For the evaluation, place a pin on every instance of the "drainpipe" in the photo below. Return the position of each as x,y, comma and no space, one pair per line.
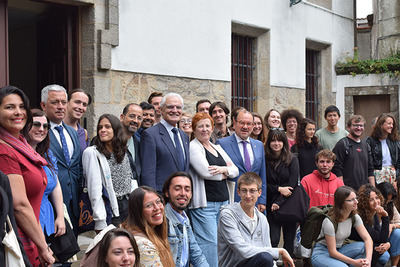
355,56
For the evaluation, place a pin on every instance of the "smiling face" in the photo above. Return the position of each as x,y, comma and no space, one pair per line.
374,201
274,119
153,209
120,253
357,129
105,131
203,130
132,119
148,118
77,105
387,126
257,128
13,114
185,124
291,125
276,146
249,195
172,110
38,131
179,193
309,131
332,118
155,101
55,106
218,115
243,124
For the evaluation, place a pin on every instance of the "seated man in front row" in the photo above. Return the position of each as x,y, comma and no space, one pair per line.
243,232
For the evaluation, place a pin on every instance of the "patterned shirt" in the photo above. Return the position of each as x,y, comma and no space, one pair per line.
121,175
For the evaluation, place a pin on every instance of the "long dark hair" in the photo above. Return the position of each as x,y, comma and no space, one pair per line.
301,133
388,189
363,209
12,90
263,134
106,243
337,212
118,141
43,147
377,131
136,222
285,157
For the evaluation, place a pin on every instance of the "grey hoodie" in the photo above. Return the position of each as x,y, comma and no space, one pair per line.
235,242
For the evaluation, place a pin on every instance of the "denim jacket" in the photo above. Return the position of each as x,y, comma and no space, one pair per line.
175,238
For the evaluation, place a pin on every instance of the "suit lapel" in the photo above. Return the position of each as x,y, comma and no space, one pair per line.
185,141
236,153
168,142
56,148
75,143
255,149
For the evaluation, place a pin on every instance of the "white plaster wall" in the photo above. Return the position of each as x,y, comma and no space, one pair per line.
193,38
344,81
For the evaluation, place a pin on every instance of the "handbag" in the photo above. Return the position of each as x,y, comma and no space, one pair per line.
86,222
64,246
295,207
12,251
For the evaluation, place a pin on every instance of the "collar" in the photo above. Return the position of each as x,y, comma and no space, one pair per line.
167,125
175,217
239,140
54,125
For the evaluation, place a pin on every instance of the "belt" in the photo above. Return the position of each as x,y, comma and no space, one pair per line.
123,197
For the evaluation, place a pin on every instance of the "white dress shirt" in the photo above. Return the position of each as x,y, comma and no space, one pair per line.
248,146
68,138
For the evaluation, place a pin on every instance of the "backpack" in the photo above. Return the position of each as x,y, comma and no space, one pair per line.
311,228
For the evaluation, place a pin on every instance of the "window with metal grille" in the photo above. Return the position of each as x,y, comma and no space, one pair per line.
312,77
242,71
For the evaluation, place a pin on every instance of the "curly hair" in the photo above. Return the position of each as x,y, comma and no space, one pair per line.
301,133
377,131
118,141
290,113
364,209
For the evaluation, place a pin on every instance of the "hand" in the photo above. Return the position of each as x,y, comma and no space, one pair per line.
382,248
261,207
274,207
46,256
381,211
361,263
287,260
59,226
286,191
214,170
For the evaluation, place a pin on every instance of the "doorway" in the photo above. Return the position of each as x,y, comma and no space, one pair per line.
42,46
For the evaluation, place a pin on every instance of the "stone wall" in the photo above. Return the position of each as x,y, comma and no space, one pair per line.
282,98
121,88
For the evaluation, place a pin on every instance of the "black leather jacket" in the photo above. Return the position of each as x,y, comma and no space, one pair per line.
376,151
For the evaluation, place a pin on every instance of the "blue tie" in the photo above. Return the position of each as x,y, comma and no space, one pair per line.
64,144
179,152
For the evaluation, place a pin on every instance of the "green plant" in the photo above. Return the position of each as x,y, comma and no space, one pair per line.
389,65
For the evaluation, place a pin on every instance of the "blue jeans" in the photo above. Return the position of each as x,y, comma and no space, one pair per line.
205,225
320,256
394,240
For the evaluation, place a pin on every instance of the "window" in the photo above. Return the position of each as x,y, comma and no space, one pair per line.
312,81
242,71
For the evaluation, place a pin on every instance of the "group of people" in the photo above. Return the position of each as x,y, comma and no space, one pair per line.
183,189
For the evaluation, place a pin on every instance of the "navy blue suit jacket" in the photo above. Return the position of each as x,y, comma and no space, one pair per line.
158,155
136,165
230,145
69,176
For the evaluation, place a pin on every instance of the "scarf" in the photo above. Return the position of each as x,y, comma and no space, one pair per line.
21,145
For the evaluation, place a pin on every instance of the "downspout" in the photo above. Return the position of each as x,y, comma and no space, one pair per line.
355,55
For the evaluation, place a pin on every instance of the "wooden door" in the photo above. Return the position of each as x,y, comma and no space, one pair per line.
371,106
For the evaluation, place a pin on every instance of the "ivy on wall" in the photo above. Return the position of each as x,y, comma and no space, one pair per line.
390,66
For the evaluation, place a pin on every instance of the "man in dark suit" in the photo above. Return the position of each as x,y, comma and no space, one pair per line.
246,153
65,146
164,148
131,118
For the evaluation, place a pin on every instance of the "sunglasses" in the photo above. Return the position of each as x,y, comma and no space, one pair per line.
277,129
38,124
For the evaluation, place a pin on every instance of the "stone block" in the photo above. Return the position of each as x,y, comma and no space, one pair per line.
88,34
88,57
114,34
102,90
113,15
104,59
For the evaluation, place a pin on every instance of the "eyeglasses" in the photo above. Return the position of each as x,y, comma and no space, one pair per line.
185,121
244,191
277,129
174,106
151,205
352,200
38,124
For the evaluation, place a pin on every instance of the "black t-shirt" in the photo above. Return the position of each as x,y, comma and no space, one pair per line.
216,191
